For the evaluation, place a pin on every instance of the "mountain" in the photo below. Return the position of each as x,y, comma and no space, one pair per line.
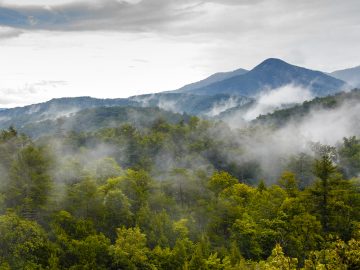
350,100
191,104
217,77
273,73
22,117
54,109
350,75
222,94
92,119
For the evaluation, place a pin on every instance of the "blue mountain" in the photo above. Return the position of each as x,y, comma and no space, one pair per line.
217,77
349,75
273,73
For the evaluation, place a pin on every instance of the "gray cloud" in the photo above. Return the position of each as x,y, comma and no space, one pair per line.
186,16
6,32
320,34
98,15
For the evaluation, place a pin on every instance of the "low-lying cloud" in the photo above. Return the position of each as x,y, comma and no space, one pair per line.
271,147
274,99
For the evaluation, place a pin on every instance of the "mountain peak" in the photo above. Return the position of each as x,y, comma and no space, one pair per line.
273,73
271,63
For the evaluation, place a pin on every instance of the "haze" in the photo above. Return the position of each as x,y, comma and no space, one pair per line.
121,48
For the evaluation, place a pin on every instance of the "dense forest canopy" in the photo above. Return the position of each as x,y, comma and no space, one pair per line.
176,195
179,135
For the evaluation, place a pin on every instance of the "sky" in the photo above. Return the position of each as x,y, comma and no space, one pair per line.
118,48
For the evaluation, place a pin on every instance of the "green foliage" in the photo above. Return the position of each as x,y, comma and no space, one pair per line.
30,183
221,180
160,198
288,182
23,244
349,154
129,250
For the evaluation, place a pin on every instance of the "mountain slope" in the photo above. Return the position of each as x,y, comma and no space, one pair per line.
350,100
192,104
217,77
350,75
54,109
273,73
209,106
92,119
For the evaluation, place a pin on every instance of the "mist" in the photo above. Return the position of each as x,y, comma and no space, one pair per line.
273,99
272,147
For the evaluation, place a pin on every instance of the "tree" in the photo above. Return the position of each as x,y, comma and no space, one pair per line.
221,180
129,250
245,234
278,260
30,184
289,182
324,169
23,244
302,166
349,154
78,245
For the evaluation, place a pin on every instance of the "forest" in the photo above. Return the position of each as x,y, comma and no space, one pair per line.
179,195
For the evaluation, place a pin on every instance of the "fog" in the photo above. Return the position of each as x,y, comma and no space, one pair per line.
273,99
272,147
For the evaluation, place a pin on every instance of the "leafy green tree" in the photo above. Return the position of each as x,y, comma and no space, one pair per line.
83,199
245,234
136,186
288,182
338,255
78,244
302,166
116,207
129,250
304,236
349,155
23,244
107,168
30,184
325,170
221,180
278,260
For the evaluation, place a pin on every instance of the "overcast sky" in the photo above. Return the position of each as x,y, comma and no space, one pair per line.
115,48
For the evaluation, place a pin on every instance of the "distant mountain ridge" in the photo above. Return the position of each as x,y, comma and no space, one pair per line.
217,77
220,95
206,105
21,117
96,118
297,113
349,75
55,108
273,73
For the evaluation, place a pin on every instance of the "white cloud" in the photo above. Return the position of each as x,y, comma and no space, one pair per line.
95,64
274,99
92,47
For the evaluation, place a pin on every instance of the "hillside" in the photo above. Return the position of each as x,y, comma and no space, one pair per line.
53,109
217,77
45,113
350,75
297,113
206,105
92,119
